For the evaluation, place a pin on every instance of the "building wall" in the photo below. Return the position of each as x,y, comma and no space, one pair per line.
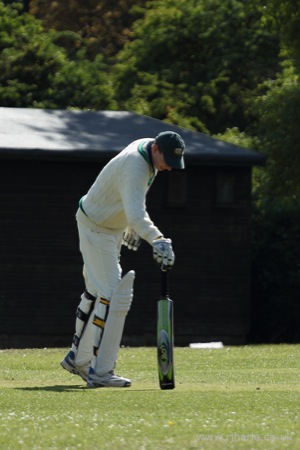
206,212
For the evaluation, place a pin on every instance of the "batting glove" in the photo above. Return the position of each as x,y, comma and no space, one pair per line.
163,253
131,239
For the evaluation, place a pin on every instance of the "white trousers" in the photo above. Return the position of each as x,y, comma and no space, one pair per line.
101,257
102,272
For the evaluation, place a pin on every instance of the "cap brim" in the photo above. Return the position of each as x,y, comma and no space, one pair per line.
175,163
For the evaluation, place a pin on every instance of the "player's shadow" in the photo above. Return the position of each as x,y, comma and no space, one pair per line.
56,388
72,388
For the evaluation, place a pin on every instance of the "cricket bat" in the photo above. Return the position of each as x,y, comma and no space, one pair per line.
165,337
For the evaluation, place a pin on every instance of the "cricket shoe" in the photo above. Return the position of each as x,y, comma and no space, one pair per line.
68,363
110,379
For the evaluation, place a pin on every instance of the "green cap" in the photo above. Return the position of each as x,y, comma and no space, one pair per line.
172,146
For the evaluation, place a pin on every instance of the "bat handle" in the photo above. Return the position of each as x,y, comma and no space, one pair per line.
164,284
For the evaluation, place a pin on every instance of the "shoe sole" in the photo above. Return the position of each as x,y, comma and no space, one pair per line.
92,385
65,365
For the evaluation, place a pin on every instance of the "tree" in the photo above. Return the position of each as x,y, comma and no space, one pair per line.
277,128
277,112
285,17
197,63
83,84
27,59
23,3
103,26
276,230
274,108
35,72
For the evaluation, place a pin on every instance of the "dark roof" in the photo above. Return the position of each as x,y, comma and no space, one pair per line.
27,133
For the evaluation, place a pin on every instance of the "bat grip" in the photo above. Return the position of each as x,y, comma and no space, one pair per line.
164,284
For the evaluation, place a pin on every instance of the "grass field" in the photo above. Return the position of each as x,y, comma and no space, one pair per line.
230,398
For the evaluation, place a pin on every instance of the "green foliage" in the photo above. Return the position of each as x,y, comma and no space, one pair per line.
83,84
276,224
275,112
103,26
278,132
205,59
27,59
285,18
236,137
276,271
231,398
34,72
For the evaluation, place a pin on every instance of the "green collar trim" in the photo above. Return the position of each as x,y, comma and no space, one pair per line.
143,151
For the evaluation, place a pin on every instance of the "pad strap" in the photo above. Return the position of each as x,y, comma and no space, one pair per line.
83,316
99,321
89,296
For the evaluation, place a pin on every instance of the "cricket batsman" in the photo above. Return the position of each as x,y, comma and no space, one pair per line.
112,213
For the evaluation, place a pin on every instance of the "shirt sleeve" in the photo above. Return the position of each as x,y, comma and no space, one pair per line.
133,192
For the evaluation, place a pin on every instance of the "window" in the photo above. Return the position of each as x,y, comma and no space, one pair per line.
225,189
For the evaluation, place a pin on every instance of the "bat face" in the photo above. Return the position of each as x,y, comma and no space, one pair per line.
165,344
164,354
